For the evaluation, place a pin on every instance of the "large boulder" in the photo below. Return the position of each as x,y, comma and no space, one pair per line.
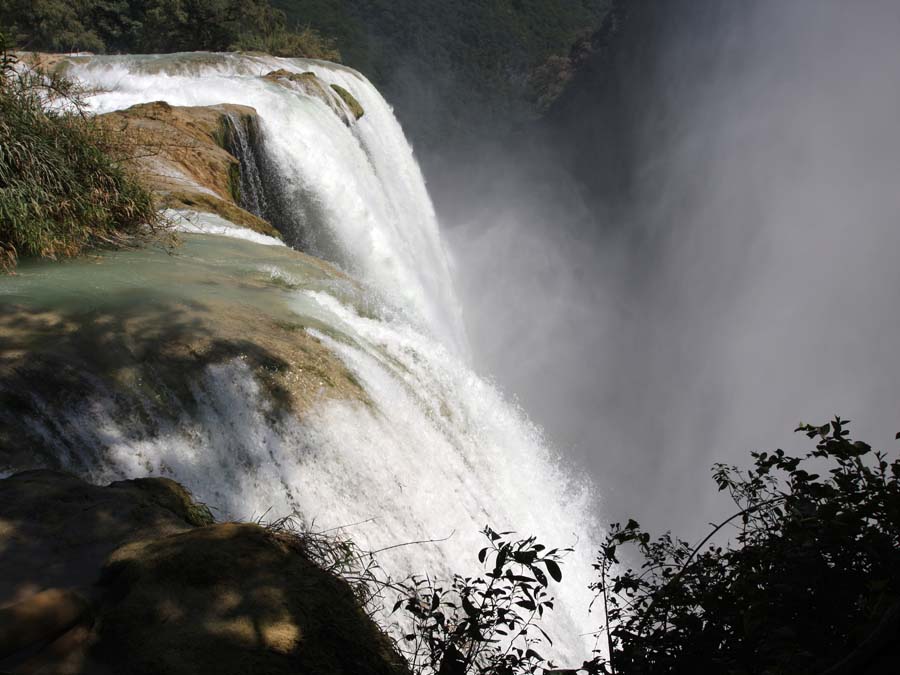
235,598
134,577
182,154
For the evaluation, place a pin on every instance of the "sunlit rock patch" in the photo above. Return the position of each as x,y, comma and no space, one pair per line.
181,153
341,101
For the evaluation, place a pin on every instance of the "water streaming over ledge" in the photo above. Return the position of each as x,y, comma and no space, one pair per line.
432,449
357,192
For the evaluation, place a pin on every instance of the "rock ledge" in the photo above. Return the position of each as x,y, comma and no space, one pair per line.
134,577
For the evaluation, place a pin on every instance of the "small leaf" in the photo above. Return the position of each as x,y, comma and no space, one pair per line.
554,570
531,654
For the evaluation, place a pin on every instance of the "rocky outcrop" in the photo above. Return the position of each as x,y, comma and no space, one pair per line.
348,98
134,577
341,101
182,153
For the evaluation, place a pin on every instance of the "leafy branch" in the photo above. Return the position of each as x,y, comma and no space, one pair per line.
810,576
488,624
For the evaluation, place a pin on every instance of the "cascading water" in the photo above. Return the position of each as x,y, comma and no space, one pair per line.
431,450
253,191
358,192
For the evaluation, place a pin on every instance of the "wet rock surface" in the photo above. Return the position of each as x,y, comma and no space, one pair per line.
181,153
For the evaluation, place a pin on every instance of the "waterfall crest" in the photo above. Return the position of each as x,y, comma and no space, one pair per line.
388,426
355,196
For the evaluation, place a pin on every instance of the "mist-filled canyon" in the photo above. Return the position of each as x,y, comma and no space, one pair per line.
698,253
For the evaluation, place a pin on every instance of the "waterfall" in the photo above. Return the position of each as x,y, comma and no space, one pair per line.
253,192
357,192
433,451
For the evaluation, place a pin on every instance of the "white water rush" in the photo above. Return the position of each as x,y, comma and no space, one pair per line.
434,452
369,201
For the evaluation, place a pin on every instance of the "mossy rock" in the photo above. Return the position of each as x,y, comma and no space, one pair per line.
57,530
348,98
281,73
184,158
173,496
311,85
235,598
133,578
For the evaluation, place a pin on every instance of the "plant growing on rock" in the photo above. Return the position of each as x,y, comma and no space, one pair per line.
62,190
337,554
488,624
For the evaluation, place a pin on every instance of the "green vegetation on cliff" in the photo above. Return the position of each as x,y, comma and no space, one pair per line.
451,69
159,26
459,66
61,189
487,41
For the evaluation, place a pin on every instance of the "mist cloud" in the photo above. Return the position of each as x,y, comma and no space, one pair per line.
750,281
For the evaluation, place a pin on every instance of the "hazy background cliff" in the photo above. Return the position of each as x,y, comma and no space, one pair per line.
696,248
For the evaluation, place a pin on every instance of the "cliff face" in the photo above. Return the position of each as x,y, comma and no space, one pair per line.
135,577
650,64
203,158
594,124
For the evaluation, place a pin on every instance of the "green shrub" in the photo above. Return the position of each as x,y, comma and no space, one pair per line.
483,625
62,189
809,584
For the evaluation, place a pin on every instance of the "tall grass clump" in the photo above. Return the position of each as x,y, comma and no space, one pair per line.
63,188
